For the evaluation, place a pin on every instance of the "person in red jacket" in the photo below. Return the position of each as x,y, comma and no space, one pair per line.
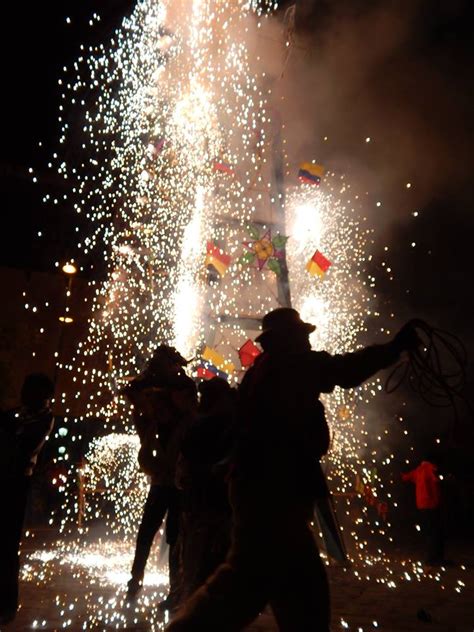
428,502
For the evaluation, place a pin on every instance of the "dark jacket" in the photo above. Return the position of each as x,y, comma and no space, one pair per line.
283,429
204,450
23,433
163,410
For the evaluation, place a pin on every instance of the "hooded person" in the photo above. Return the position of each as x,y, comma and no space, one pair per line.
273,558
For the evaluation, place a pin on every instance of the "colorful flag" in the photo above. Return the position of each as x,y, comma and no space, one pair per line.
217,258
208,371
310,173
264,250
247,354
318,264
369,495
214,361
223,167
159,144
343,412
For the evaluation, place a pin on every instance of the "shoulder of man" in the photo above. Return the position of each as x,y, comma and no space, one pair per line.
316,359
42,417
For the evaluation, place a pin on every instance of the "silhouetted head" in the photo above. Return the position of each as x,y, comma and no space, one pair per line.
216,395
284,327
36,391
164,366
165,357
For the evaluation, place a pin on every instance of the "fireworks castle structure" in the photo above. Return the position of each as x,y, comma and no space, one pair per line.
201,222
202,225
190,206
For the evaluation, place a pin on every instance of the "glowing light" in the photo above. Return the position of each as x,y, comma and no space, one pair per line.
69,268
111,468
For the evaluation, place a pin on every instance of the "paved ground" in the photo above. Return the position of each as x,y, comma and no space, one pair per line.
81,588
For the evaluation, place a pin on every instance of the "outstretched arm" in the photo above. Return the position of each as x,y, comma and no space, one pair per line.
352,369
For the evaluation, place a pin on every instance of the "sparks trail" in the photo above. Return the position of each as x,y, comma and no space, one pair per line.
436,369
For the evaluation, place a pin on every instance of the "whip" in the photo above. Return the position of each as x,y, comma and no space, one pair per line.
436,369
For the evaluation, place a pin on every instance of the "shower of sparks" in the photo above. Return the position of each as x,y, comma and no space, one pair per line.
176,92
337,304
89,584
101,569
113,488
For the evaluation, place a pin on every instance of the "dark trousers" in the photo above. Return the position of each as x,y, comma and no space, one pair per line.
433,533
13,497
205,543
273,560
160,500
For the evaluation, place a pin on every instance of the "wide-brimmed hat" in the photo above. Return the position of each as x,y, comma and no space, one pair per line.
282,321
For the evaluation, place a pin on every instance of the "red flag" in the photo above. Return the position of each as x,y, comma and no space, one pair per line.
318,264
247,354
206,373
217,258
223,167
369,495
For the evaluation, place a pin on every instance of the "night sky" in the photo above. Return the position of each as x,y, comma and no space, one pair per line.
36,44
422,85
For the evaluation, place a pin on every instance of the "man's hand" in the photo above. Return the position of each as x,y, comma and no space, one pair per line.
407,339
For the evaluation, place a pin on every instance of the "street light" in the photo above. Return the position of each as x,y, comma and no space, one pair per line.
69,268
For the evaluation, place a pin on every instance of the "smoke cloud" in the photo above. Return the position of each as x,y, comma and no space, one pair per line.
394,72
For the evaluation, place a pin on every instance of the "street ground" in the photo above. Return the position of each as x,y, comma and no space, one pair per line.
79,585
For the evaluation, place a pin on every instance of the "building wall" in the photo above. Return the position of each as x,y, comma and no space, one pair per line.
31,333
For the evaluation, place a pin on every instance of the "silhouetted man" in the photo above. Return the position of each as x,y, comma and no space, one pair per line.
23,432
201,471
164,400
276,476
